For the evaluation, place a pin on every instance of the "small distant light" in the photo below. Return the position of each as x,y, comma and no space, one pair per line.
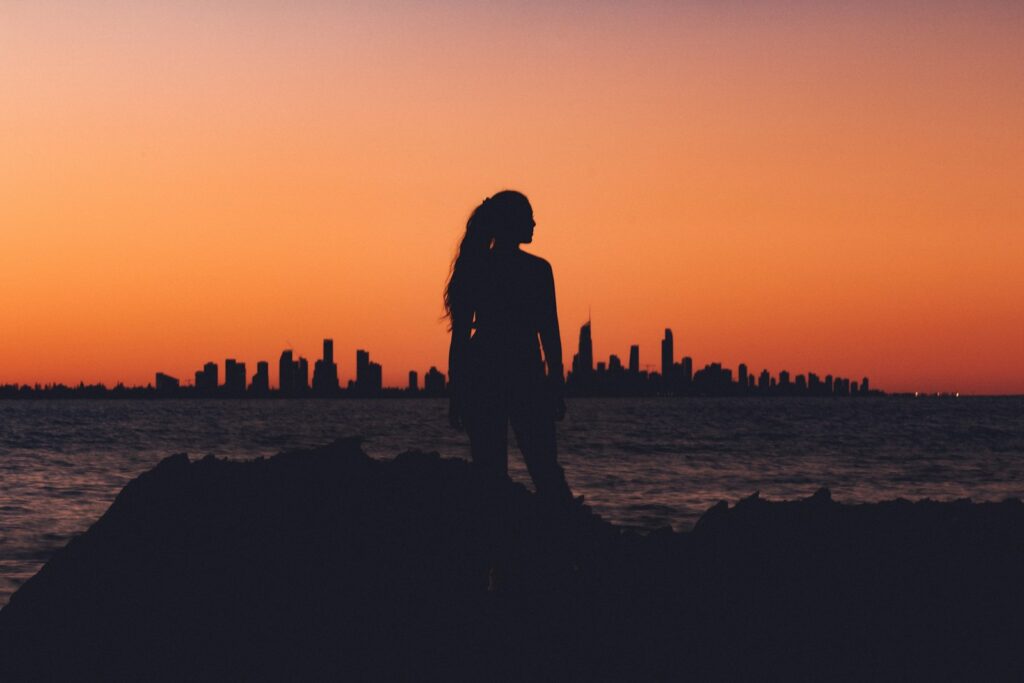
916,394
957,394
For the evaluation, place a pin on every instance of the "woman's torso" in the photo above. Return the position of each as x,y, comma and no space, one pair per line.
508,304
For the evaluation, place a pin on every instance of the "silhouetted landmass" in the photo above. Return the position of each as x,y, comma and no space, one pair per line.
327,565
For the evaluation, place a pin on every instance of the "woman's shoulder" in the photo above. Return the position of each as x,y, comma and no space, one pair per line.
535,262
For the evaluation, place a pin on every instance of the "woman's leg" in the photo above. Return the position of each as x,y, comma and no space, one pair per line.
488,440
535,433
487,423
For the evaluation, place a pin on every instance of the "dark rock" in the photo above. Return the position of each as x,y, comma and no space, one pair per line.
326,564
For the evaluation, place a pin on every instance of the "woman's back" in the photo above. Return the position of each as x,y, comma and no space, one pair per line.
511,305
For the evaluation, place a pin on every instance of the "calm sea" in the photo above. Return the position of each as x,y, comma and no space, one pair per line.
639,462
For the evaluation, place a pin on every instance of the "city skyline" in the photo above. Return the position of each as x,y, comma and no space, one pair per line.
586,375
395,377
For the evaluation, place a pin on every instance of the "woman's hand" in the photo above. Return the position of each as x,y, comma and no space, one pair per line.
558,408
455,414
457,403
556,399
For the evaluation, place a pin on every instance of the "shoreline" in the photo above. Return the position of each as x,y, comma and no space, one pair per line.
332,563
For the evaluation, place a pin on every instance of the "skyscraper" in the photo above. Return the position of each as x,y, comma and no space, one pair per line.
234,377
362,362
209,382
261,379
362,370
434,382
586,350
368,374
667,354
376,378
414,381
686,370
325,372
634,359
302,375
206,379
286,373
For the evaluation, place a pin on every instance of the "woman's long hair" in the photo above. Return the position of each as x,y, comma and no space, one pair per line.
494,216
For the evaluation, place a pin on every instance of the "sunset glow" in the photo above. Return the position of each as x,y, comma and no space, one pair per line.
796,186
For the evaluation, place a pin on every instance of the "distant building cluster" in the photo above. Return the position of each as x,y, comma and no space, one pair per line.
678,378
294,379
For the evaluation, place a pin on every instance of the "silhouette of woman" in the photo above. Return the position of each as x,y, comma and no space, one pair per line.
499,300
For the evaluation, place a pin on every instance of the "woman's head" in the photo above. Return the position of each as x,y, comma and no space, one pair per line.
512,217
504,219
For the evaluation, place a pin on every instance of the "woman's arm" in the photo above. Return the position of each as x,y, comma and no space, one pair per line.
457,355
551,342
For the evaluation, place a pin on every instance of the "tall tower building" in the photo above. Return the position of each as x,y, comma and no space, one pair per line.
286,373
368,374
234,377
634,359
362,370
261,380
667,354
302,375
586,350
325,372
376,378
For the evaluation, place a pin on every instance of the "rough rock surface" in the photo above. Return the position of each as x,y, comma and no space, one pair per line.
325,564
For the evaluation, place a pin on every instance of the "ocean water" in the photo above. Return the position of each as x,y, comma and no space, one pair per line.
642,463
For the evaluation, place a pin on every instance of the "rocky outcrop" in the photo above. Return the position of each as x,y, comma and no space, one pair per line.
326,564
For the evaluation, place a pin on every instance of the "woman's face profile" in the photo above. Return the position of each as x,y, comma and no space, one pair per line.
523,225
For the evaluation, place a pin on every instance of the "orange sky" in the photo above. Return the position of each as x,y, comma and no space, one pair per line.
796,186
